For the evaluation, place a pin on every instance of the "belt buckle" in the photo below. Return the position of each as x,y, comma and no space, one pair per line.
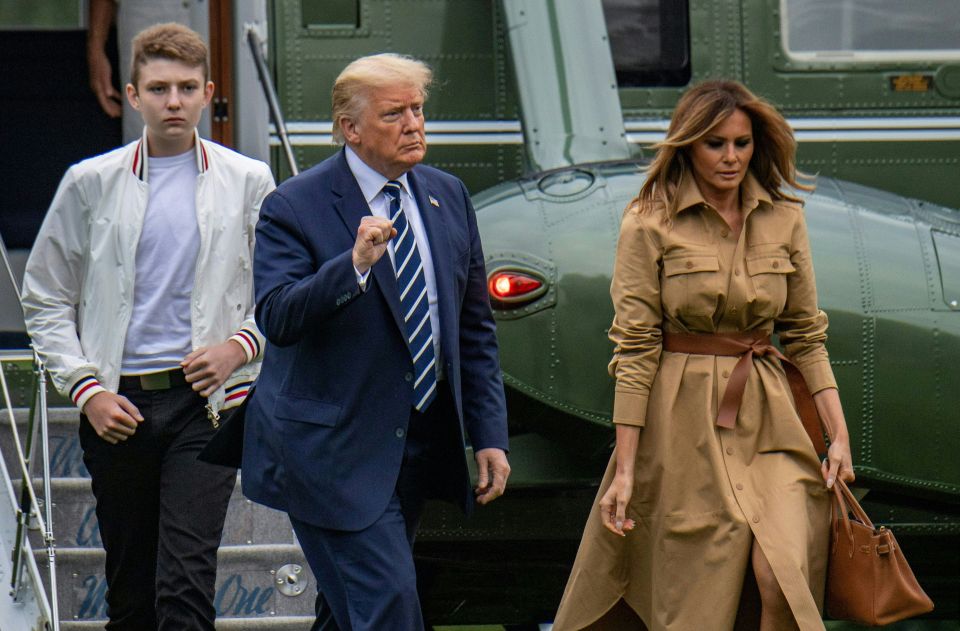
155,381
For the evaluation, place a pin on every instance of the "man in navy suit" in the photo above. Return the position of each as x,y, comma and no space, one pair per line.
381,356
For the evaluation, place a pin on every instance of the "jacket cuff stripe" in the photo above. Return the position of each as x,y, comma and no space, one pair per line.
239,394
253,340
84,390
240,385
243,338
236,394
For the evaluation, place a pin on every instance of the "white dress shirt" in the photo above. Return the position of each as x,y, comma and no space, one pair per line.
371,185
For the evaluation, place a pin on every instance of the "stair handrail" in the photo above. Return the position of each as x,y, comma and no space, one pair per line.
270,93
29,508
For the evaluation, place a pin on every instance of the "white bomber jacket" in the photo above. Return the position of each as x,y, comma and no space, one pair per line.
78,283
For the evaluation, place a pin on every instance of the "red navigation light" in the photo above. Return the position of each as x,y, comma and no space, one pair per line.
512,287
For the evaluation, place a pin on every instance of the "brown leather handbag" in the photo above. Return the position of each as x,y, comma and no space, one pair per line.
868,578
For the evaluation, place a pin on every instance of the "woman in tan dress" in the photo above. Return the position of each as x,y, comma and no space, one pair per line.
714,503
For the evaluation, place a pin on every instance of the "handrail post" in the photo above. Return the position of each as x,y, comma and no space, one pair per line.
26,488
29,505
25,510
48,537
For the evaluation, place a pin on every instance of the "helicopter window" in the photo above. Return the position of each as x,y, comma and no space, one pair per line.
871,30
650,41
46,15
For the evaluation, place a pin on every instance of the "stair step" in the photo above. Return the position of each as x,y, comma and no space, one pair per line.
66,457
273,623
75,520
258,545
254,582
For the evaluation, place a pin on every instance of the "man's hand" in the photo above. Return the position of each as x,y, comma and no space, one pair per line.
107,95
373,235
100,17
493,470
208,367
112,416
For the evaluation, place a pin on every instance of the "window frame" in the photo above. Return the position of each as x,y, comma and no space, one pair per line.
871,57
673,77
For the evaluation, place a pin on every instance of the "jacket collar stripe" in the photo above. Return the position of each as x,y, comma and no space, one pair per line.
140,155
138,159
202,163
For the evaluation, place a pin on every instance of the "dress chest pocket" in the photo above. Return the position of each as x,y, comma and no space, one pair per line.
690,283
768,267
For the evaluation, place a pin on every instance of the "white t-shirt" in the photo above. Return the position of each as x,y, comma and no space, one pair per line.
159,334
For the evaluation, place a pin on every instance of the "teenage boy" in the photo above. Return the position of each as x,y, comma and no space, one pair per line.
138,297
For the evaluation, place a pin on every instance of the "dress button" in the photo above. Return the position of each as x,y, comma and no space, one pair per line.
756,519
739,486
724,233
400,432
689,264
729,451
733,310
725,373
408,376
776,265
736,272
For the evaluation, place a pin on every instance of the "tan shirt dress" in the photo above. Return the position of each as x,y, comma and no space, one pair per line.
703,493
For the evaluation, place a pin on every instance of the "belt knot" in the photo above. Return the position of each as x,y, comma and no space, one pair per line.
746,346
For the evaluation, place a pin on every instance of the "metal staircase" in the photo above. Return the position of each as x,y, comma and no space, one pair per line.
263,581
24,603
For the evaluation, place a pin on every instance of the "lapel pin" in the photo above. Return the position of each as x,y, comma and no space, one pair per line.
433,201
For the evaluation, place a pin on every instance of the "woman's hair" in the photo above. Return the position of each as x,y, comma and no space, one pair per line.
353,85
701,109
170,41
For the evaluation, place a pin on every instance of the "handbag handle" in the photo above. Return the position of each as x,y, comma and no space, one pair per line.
849,502
845,503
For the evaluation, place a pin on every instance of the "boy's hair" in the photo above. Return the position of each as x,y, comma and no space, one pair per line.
171,41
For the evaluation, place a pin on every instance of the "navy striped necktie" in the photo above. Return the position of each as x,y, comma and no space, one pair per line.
413,300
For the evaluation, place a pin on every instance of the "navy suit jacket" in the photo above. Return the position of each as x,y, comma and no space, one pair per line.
326,424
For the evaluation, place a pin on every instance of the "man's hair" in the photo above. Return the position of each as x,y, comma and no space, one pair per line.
701,109
366,74
171,41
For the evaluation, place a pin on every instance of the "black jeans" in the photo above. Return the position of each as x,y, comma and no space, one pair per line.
160,512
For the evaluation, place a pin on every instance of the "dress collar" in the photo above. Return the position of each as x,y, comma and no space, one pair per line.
751,193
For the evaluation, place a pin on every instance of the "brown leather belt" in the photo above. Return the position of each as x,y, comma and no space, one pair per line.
746,346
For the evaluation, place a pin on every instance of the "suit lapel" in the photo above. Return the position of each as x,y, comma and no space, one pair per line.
352,207
433,217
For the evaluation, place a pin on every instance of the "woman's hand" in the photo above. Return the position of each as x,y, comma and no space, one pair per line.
838,462
613,505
